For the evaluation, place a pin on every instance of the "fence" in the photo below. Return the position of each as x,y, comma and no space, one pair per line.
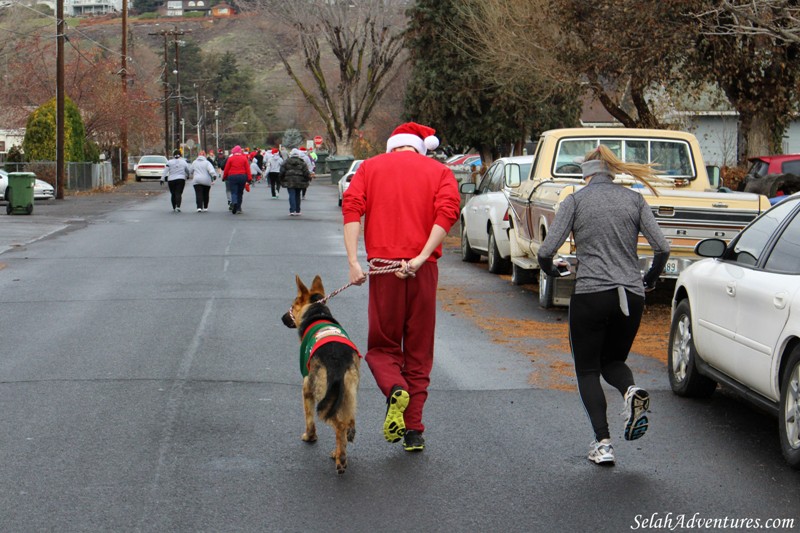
80,176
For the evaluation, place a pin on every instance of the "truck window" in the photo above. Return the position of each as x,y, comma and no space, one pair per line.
673,158
791,167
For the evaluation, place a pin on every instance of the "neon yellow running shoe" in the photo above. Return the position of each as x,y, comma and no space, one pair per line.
394,426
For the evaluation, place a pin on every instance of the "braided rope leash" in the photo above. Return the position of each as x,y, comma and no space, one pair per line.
389,266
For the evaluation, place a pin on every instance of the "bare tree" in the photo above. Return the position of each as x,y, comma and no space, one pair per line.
779,19
352,51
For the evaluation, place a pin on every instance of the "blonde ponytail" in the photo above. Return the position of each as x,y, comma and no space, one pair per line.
641,172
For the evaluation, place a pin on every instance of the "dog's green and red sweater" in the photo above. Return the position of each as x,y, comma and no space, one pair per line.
318,334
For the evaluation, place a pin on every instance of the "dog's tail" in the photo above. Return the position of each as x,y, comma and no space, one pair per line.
329,405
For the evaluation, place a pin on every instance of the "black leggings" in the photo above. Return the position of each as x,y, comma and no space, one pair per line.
201,194
176,191
601,336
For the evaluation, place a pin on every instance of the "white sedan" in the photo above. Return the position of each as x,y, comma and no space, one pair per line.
150,166
484,218
41,189
344,182
736,320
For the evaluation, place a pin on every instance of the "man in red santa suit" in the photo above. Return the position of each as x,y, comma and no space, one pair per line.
409,202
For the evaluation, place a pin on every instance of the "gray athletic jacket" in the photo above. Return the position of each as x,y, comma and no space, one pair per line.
605,220
177,169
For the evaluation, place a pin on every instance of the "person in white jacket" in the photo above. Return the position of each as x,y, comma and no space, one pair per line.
273,162
175,174
204,175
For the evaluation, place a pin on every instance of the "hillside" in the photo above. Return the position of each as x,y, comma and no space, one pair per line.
253,40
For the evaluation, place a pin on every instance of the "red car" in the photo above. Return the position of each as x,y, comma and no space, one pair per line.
773,175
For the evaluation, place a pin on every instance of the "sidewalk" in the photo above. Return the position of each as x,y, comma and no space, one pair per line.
52,216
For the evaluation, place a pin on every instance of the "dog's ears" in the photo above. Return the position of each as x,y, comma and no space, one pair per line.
302,290
316,286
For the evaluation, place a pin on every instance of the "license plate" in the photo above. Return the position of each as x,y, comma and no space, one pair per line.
671,267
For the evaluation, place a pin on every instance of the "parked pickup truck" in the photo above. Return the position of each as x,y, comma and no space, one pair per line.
689,206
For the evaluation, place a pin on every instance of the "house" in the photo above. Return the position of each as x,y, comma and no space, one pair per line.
197,6
708,116
91,7
174,8
12,128
222,10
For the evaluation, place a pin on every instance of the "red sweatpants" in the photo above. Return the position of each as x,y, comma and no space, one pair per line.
402,320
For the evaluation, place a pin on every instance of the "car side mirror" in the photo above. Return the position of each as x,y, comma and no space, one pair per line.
468,188
714,176
512,178
711,248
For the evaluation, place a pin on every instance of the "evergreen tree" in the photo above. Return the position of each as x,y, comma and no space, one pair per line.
146,6
449,89
39,143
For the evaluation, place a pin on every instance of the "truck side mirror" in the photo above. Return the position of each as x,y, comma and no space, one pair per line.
714,176
513,179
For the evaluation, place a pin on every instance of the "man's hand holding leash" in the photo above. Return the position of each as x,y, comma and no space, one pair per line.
410,267
357,276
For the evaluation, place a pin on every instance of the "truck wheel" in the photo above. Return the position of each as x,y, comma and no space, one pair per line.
468,255
29,209
684,378
521,276
497,264
547,285
789,413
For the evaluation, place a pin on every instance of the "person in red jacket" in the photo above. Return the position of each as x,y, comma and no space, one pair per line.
409,202
237,172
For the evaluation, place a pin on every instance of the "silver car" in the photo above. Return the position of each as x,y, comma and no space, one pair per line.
344,183
736,320
484,219
41,189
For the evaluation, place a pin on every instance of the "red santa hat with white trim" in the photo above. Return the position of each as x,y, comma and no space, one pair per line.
419,137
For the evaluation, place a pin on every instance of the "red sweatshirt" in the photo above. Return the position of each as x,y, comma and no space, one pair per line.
401,196
237,164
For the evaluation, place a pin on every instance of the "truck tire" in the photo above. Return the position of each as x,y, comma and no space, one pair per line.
521,276
547,285
497,264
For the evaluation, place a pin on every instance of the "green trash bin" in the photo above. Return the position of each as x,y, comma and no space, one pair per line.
338,165
19,193
322,162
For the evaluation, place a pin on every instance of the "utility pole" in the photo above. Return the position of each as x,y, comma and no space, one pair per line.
124,75
216,127
199,138
60,99
174,33
177,71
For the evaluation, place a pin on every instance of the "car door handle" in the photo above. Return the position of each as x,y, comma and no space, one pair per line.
730,288
780,300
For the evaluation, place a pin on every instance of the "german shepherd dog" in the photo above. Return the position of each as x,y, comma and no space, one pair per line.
332,368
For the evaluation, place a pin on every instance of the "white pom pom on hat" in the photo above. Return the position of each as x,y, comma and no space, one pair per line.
419,137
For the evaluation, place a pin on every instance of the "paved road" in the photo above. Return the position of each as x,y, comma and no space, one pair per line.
147,384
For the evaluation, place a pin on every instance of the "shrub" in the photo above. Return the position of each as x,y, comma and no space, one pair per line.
39,143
